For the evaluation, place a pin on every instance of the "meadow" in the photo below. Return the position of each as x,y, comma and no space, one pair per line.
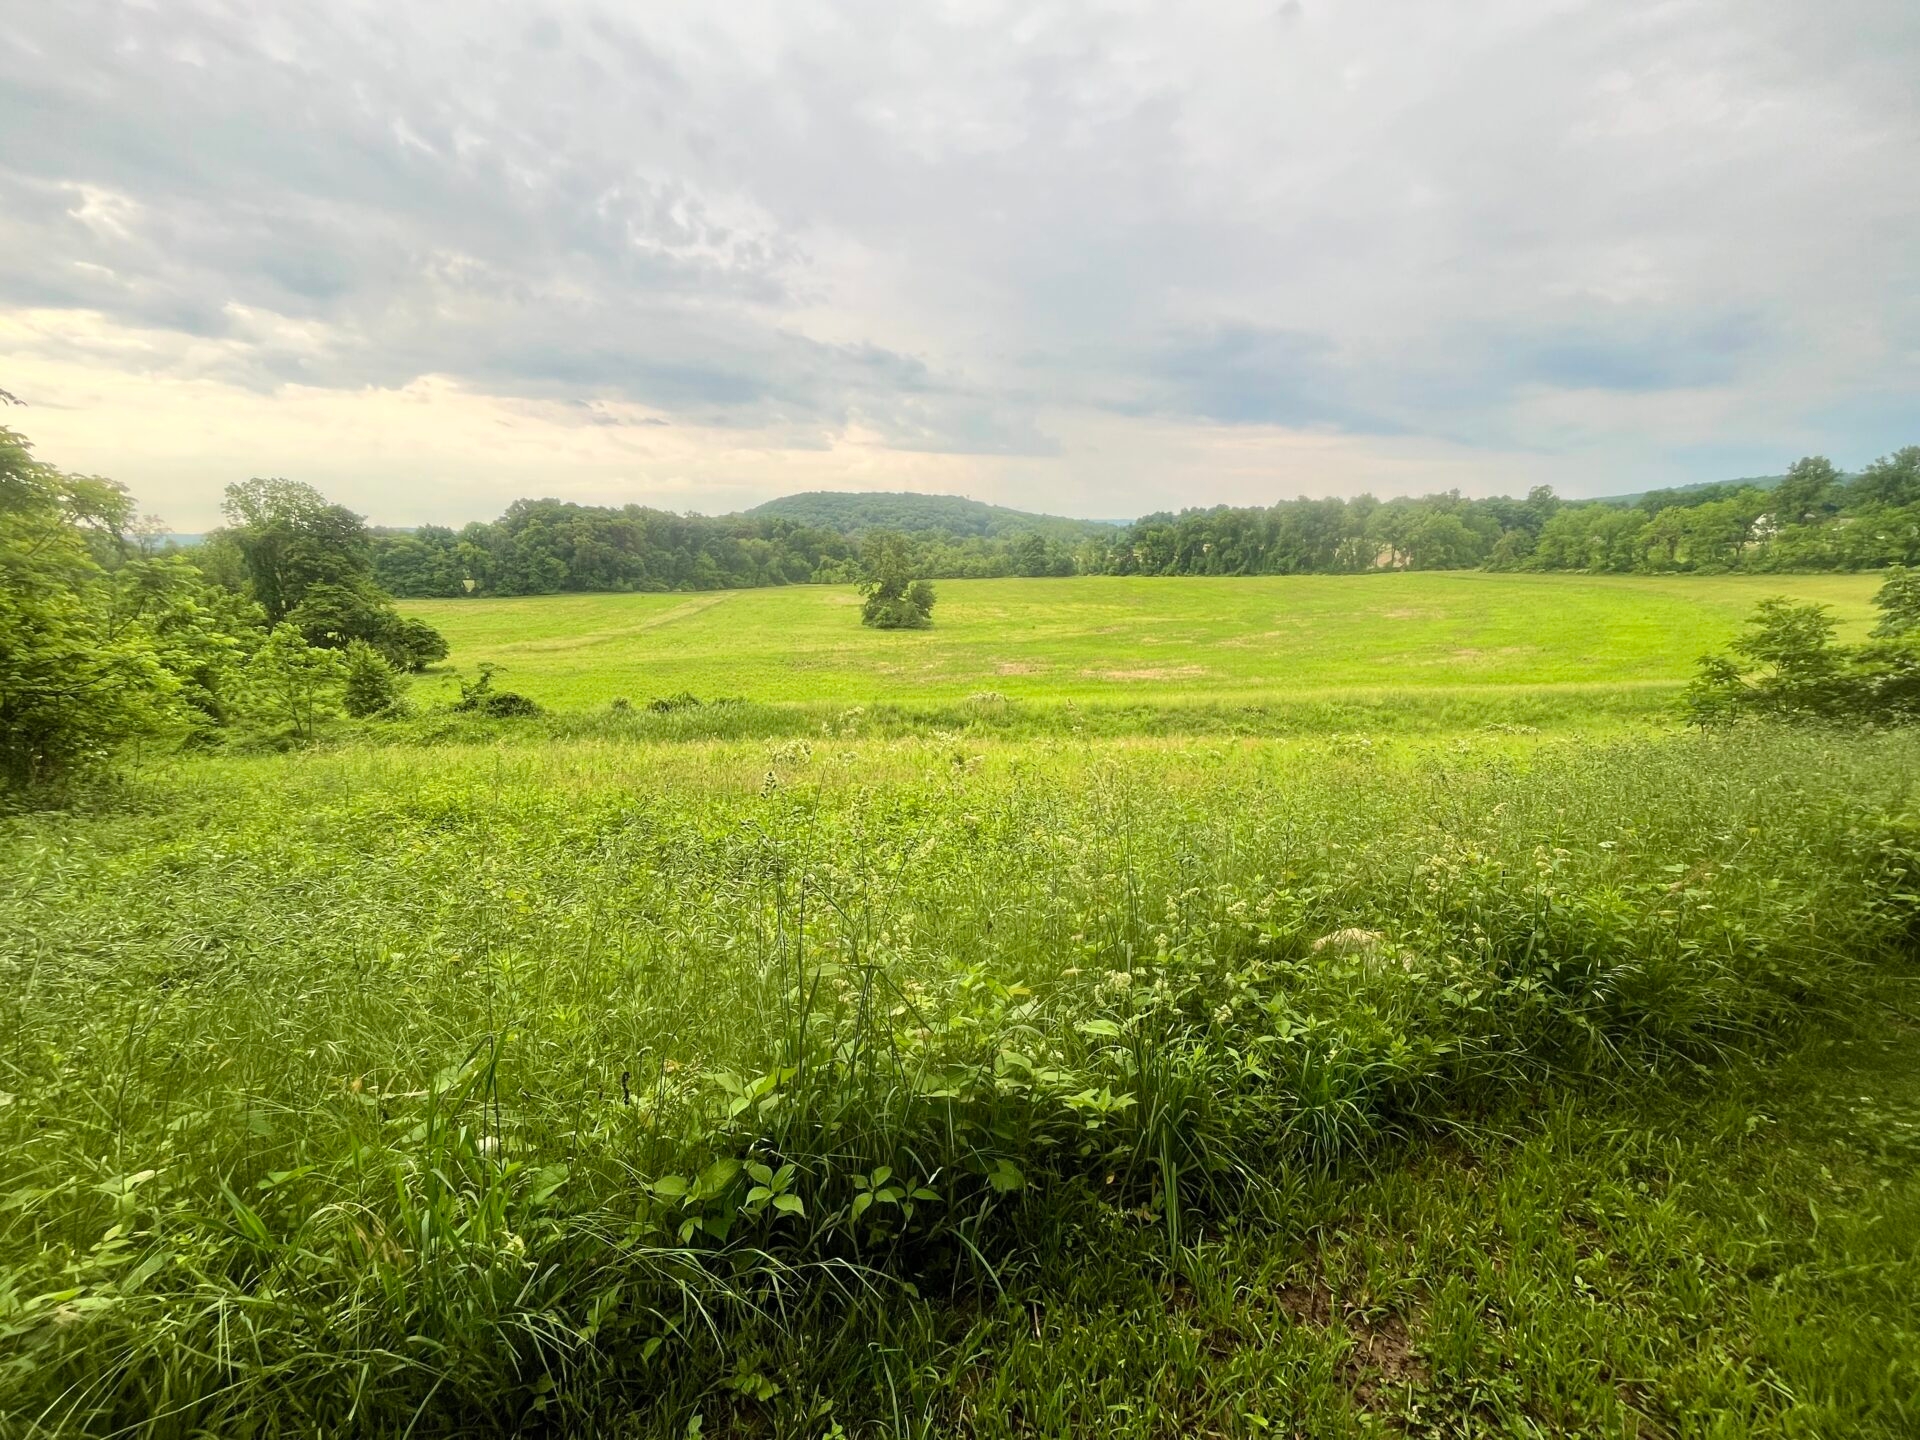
1168,643
620,1075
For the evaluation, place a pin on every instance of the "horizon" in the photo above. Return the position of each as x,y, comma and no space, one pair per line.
378,526
1101,260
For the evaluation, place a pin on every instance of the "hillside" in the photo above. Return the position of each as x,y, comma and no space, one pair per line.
1696,492
850,512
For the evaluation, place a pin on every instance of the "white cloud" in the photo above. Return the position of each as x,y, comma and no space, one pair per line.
1095,256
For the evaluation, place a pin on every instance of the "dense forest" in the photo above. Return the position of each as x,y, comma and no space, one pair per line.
1813,518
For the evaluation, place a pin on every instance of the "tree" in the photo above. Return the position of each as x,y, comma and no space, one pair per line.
201,633
1785,667
894,599
1810,491
294,683
371,685
311,562
413,644
73,683
1891,481
292,539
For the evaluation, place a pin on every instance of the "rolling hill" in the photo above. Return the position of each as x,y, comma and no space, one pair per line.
850,512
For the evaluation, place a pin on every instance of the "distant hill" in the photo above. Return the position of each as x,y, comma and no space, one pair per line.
1687,494
849,511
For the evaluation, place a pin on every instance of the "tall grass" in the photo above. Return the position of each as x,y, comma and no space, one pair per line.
472,1089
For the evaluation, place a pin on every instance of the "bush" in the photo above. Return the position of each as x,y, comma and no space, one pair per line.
479,697
73,683
294,683
1786,667
414,644
372,686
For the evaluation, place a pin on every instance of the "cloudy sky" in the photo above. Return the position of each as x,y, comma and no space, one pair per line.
1092,258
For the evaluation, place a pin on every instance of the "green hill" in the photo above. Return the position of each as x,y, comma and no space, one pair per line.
1697,493
850,512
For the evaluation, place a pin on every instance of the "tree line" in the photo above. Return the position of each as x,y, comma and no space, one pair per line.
546,547
1815,518
106,635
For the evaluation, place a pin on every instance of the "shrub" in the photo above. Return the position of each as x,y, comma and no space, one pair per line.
372,687
73,684
294,683
479,697
1786,667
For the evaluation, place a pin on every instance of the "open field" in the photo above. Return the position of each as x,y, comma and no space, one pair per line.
934,1086
1105,640
1249,1045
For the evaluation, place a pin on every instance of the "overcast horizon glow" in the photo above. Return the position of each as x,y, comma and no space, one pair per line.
1092,259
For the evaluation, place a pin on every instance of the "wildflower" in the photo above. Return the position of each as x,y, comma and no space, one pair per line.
1348,941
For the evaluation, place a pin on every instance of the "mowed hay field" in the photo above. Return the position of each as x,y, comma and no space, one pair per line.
1092,640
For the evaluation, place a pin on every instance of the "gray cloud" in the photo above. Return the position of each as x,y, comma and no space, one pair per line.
945,226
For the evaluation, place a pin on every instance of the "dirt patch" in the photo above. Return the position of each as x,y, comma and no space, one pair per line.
1172,672
1018,667
1382,1364
1308,1304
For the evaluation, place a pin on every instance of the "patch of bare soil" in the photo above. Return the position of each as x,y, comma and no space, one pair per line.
1175,672
1383,1363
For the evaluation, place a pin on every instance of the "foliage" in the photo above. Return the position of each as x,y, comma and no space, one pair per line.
372,688
1813,518
490,1090
895,600
859,512
542,547
310,563
291,540
478,697
88,659
1787,666
296,684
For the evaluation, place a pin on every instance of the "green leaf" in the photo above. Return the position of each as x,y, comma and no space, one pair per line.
716,1177
1005,1177
789,1205
546,1181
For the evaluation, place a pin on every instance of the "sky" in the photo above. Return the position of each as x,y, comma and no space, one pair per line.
1095,259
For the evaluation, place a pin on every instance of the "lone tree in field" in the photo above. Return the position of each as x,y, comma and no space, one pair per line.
895,600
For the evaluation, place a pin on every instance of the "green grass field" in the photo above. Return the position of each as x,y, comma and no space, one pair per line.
876,1061
1167,642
